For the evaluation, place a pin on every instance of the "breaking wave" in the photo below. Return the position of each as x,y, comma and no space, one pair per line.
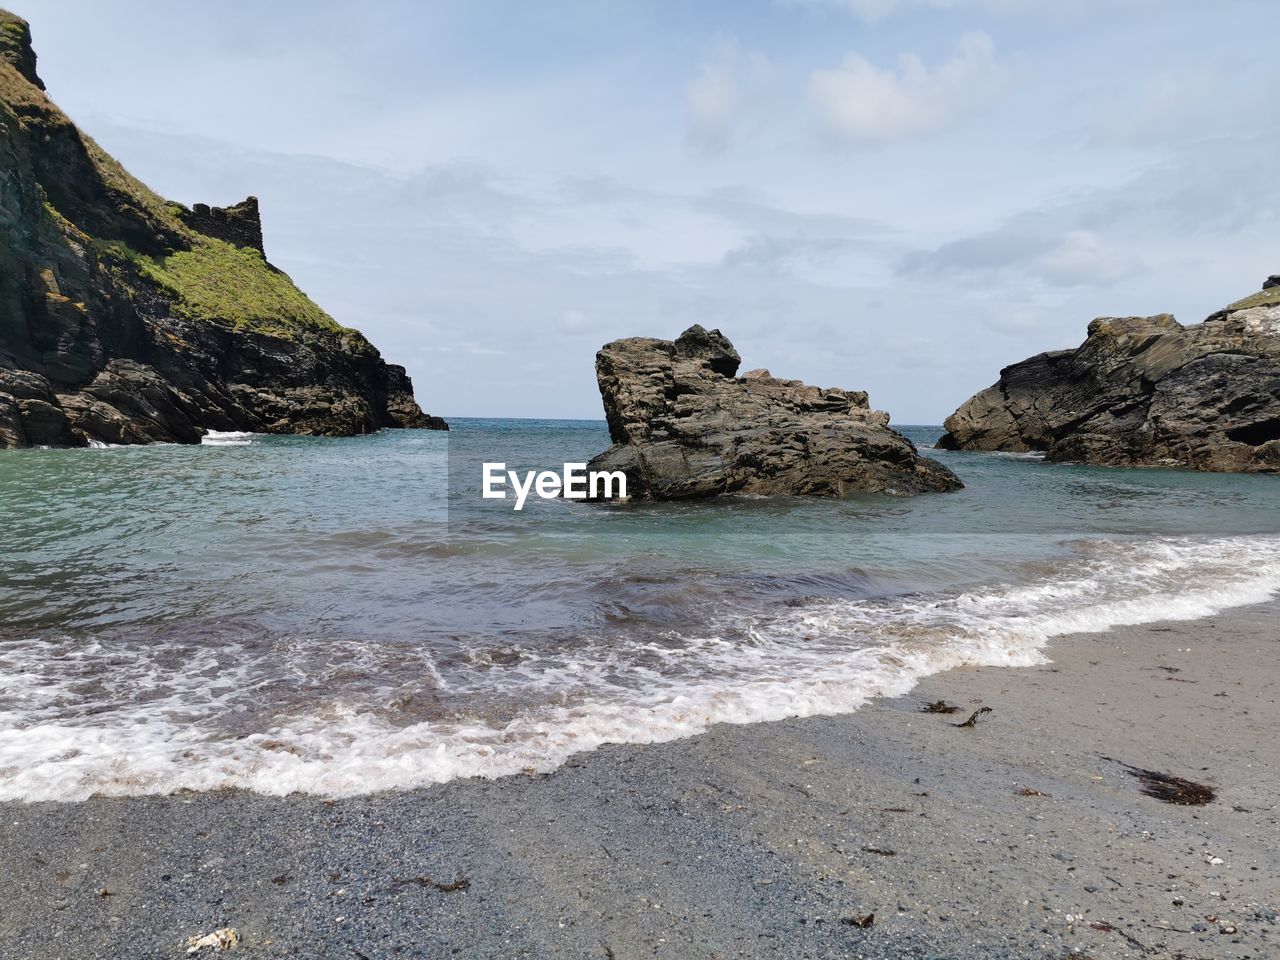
348,717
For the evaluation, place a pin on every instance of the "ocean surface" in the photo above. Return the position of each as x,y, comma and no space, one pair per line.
342,616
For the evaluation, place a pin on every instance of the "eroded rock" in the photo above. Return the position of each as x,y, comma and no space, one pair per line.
1144,391
684,425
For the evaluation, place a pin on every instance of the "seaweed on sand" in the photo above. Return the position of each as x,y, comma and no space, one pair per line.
939,706
973,719
1169,788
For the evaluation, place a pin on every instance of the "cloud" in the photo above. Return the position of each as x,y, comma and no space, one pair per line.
876,10
1188,104
1081,257
1031,251
873,10
772,253
858,101
728,85
576,322
1175,234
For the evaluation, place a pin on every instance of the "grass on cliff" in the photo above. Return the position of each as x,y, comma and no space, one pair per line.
15,89
13,31
28,108
215,280
122,183
1263,298
218,282
212,281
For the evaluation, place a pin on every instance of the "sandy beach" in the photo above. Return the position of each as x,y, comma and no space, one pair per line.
1017,838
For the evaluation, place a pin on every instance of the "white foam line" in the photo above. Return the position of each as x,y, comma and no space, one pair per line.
829,658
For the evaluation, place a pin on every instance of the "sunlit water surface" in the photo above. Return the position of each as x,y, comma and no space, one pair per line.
287,613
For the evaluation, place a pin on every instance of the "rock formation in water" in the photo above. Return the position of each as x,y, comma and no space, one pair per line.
125,318
1144,391
684,425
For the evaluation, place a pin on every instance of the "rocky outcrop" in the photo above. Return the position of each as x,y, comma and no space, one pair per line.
1144,391
684,425
16,48
239,225
125,318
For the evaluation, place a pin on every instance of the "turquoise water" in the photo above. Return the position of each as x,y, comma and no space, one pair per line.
337,616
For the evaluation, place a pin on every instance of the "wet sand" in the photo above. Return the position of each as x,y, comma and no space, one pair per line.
1014,839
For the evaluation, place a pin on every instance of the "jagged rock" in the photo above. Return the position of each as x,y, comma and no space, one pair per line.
126,318
683,425
402,408
1144,391
15,47
240,224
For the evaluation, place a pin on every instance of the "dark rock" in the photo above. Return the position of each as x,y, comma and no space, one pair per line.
1271,281
126,318
30,415
684,426
130,402
16,49
240,225
402,409
1143,391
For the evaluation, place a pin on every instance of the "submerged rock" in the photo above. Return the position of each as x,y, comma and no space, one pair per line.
126,318
684,425
1144,391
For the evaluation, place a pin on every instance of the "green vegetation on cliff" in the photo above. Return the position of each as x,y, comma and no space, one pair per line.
14,34
116,215
1268,297
129,318
219,281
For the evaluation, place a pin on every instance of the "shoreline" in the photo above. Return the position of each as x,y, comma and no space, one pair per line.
759,840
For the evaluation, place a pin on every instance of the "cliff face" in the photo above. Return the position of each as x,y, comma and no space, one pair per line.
684,425
125,318
1144,391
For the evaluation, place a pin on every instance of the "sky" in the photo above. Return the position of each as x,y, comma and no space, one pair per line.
900,196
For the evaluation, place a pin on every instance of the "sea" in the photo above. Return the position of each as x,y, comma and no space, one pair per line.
343,616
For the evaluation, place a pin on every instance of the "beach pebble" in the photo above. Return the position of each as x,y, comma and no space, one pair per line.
224,938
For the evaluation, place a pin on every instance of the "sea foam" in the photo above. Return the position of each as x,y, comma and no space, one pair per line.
82,719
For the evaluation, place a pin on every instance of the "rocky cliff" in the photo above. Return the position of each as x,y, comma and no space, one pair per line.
125,318
1144,391
684,425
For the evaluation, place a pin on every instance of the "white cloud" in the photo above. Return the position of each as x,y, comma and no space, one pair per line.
1186,104
874,10
1032,250
1081,257
859,101
728,84
576,321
